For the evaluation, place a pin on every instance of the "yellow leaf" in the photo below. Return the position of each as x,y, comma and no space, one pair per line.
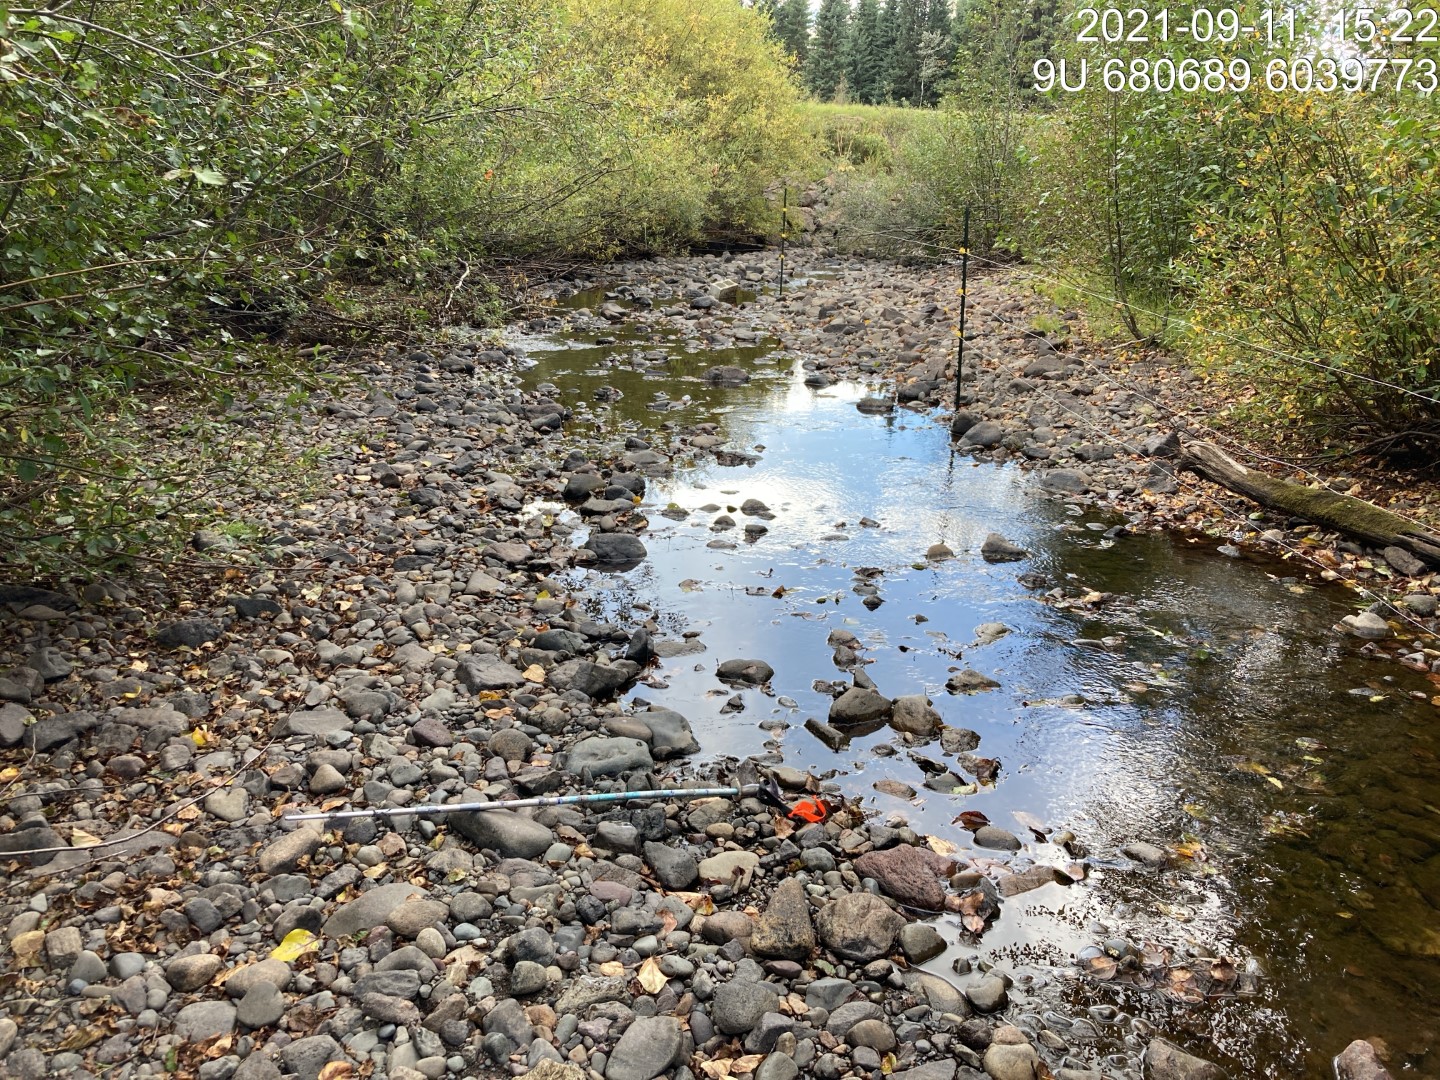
27,946
941,846
81,838
534,673
296,944
219,980
79,1039
651,977
747,1064
1276,782
612,968
8,774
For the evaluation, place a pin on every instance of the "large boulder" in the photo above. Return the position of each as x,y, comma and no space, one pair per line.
608,756
670,733
1165,1061
745,672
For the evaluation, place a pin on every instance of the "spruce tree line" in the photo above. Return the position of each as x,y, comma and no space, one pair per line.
876,51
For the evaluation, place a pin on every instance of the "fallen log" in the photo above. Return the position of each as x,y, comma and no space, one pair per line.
1354,517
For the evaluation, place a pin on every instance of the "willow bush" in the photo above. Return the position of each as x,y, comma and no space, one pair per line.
648,125
181,179
1316,286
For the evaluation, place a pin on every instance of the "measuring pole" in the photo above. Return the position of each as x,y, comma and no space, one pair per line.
964,289
427,809
784,233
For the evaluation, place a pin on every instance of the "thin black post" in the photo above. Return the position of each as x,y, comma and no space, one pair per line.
784,233
964,289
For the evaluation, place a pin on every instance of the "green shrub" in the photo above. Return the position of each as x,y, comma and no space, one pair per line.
1317,284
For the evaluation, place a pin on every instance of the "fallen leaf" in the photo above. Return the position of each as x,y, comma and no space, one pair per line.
940,846
747,1064
79,1039
27,946
226,973
612,968
336,1070
296,944
534,673
1192,849
81,838
971,819
1031,822
1102,968
651,977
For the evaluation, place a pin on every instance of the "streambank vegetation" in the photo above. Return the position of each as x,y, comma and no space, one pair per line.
206,207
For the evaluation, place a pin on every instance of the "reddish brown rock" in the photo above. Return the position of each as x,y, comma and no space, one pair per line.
909,874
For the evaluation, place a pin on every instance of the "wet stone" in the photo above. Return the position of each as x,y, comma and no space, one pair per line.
920,942
992,836
1166,1061
988,995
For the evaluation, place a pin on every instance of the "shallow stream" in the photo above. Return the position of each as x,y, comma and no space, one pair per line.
1207,707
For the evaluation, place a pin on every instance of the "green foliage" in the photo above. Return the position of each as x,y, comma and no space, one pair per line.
643,125
1317,282
176,177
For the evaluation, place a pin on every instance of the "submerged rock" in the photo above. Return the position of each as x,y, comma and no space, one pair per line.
1165,1061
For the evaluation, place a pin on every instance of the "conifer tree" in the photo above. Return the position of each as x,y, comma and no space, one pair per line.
908,18
866,62
792,27
825,64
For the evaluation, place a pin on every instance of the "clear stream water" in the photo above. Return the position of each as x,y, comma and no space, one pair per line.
1209,703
